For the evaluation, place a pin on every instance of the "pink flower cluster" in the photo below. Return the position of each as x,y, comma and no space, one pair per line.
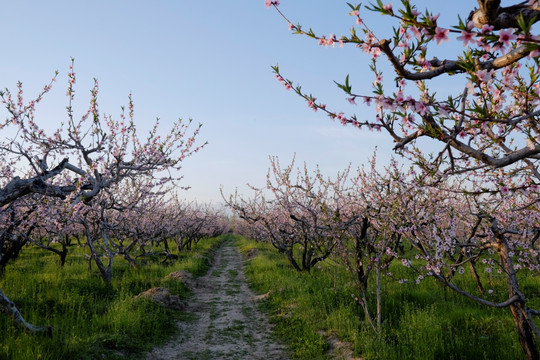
285,83
269,3
330,41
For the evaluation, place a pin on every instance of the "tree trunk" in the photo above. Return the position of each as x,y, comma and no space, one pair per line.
524,330
105,271
63,256
523,327
11,250
10,309
290,256
379,302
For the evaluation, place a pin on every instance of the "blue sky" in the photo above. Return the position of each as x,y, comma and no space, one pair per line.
209,61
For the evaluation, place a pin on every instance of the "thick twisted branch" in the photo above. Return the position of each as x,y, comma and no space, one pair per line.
490,13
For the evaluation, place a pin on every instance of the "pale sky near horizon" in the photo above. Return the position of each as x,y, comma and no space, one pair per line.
209,61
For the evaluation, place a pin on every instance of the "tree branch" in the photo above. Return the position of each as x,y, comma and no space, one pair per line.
439,67
490,13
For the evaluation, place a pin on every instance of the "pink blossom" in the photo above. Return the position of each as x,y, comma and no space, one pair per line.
357,14
444,110
423,62
399,97
404,44
408,119
406,262
421,108
330,41
434,17
352,100
486,29
466,37
342,119
388,7
269,3
441,34
417,34
506,35
534,53
484,75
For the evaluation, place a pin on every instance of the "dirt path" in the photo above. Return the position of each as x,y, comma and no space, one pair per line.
228,324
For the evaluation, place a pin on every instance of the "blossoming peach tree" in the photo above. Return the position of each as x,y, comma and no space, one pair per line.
74,163
296,213
487,133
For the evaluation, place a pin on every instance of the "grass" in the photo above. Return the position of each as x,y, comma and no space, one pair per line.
92,319
424,321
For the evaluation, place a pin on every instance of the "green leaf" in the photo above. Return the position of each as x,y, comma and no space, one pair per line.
345,87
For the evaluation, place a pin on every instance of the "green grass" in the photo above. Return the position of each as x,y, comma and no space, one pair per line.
92,319
424,321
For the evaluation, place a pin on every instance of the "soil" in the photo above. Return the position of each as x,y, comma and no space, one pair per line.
226,322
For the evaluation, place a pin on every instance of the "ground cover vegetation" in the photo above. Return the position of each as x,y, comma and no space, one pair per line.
466,210
94,319
313,313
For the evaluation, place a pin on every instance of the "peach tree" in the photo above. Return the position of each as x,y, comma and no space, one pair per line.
486,135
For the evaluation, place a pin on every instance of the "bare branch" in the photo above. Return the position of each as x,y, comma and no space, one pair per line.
477,299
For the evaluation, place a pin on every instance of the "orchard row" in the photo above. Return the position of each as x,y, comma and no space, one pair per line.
471,201
93,181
